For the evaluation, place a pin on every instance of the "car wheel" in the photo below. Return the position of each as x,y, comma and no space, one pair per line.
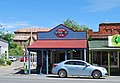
62,73
96,74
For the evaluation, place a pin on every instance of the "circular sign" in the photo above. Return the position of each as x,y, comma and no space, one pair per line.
116,40
61,32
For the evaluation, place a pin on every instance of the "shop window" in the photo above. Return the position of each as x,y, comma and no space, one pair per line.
113,58
104,57
77,54
96,57
101,58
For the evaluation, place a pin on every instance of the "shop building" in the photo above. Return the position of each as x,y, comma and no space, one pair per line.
56,45
104,46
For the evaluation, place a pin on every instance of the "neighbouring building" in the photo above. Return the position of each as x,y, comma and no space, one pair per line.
56,45
27,36
104,46
3,47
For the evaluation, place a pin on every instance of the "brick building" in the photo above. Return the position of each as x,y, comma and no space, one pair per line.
105,30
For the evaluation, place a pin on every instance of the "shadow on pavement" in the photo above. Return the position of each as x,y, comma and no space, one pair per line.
73,77
33,71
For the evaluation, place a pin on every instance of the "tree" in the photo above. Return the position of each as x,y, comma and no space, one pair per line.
6,36
14,49
74,26
18,51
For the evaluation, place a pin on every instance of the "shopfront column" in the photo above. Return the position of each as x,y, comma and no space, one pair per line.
47,61
108,63
65,54
29,62
84,54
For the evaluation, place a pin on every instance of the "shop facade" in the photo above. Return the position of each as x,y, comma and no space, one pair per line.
104,47
56,45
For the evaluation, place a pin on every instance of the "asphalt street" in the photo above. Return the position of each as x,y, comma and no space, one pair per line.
54,79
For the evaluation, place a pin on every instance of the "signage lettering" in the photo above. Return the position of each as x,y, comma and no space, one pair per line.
61,32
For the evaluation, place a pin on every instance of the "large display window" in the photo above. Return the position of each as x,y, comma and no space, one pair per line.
101,58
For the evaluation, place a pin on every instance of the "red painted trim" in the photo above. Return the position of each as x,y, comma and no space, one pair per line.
59,44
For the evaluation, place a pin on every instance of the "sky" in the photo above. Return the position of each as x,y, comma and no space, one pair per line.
16,14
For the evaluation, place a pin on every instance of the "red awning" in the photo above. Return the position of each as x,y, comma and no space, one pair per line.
59,44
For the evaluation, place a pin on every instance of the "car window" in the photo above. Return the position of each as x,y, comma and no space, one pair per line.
10,57
70,63
79,63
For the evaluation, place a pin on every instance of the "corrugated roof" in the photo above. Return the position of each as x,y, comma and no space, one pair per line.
32,29
59,44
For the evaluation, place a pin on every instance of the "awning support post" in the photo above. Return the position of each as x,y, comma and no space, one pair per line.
29,62
84,54
108,63
65,54
47,61
90,57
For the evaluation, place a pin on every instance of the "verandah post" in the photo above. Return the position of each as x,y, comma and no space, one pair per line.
47,61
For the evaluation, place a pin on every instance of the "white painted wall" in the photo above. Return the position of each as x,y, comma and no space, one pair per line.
3,47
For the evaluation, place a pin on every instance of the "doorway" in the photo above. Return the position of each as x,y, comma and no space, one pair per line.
58,56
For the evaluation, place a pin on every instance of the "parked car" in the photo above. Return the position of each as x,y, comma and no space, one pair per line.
78,68
22,59
12,58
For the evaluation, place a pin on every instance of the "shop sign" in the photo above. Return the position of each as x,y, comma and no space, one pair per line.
114,40
61,32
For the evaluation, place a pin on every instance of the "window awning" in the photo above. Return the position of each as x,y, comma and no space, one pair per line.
42,44
100,45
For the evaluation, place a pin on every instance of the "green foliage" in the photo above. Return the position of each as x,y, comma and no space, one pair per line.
6,36
74,26
84,28
17,51
14,49
9,62
2,61
13,45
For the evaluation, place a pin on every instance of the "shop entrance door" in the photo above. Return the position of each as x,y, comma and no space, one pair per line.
58,56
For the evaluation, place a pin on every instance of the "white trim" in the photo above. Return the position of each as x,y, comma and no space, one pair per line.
104,48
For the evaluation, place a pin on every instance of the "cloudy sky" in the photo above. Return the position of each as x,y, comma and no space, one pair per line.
15,14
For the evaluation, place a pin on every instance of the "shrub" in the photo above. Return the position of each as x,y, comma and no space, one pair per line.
2,61
8,62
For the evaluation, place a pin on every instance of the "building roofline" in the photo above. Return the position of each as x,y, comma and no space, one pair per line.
115,23
3,40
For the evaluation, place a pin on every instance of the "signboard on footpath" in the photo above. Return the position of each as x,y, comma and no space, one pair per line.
114,41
